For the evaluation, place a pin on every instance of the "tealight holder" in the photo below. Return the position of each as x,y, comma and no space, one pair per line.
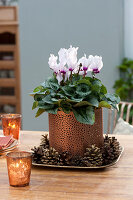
11,124
19,168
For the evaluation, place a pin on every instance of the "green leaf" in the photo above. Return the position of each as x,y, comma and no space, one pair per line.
75,78
123,67
61,95
45,106
54,86
44,84
118,83
93,100
76,98
52,92
69,91
104,104
54,100
96,82
48,99
51,83
82,103
85,81
113,97
96,85
52,111
85,115
39,112
66,106
83,90
103,89
37,89
39,97
32,94
35,104
96,88
90,79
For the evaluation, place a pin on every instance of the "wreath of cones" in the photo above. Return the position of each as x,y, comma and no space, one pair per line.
94,156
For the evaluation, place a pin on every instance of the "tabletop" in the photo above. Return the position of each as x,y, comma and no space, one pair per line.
114,183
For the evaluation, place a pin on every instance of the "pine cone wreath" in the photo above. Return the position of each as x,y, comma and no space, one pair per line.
92,157
111,150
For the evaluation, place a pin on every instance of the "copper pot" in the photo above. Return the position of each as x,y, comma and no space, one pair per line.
67,134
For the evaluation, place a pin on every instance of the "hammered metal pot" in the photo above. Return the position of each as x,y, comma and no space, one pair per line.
67,134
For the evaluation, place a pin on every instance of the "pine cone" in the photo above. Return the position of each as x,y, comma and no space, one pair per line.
37,154
92,157
64,159
111,150
45,141
50,156
76,161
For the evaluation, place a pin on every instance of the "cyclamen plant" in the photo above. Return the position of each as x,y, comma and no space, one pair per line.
70,89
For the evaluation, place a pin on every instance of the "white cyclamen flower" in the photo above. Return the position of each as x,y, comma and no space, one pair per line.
61,73
52,61
56,69
63,69
96,64
59,77
72,58
84,62
63,56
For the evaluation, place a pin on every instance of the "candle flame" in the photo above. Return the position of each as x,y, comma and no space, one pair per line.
17,165
11,125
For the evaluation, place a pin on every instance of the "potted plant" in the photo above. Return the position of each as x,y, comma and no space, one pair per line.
74,101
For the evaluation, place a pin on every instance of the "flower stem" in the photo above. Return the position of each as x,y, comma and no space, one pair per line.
79,68
93,75
84,74
71,77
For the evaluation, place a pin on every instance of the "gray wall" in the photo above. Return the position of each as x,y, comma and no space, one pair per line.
128,28
96,26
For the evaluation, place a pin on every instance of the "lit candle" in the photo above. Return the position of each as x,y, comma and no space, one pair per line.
19,168
11,124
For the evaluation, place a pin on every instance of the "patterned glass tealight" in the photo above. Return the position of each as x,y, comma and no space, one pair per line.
11,124
19,168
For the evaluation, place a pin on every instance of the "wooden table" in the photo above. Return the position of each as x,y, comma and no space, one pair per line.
114,183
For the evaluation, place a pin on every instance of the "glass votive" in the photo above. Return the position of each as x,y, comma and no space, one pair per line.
11,124
19,168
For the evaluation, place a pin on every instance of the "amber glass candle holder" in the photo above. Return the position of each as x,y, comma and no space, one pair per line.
11,124
19,168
